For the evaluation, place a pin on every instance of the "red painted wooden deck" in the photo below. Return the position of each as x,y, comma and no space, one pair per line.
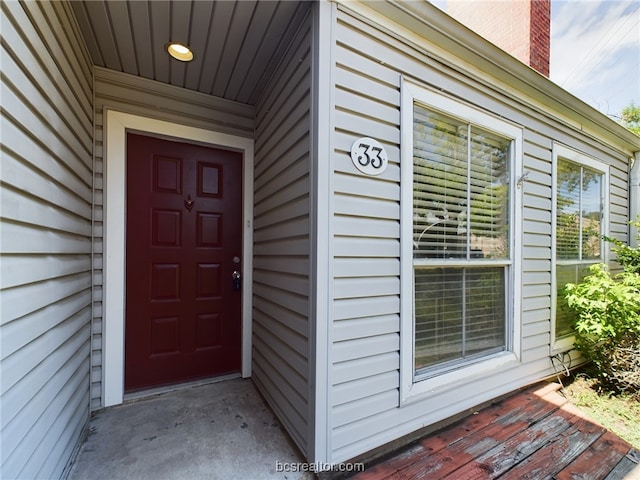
534,434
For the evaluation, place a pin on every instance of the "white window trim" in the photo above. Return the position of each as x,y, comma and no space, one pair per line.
411,390
561,151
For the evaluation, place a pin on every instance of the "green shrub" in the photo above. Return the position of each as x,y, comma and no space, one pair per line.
628,257
608,325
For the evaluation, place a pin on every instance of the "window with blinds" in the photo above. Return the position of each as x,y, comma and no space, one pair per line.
579,211
461,240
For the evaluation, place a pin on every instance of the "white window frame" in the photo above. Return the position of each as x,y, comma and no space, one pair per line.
411,389
561,151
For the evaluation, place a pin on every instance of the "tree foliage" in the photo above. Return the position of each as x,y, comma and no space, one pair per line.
630,118
628,257
608,319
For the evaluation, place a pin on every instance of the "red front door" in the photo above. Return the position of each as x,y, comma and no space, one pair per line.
184,241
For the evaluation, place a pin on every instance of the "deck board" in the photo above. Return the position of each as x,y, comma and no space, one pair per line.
557,453
628,468
491,421
596,460
534,434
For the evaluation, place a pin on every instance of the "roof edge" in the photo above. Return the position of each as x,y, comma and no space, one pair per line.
453,38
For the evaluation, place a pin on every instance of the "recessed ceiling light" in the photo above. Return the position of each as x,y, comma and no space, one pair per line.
180,51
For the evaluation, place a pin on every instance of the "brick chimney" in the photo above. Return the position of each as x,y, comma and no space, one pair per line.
520,27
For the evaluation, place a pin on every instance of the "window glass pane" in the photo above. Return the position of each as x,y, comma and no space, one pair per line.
591,213
440,185
565,317
489,195
438,316
459,312
485,310
461,189
578,229
568,211
461,209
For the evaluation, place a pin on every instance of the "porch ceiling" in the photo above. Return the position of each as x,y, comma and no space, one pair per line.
237,44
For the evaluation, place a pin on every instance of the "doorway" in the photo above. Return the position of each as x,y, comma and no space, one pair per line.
111,350
183,267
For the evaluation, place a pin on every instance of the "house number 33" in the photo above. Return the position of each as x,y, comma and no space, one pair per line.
369,156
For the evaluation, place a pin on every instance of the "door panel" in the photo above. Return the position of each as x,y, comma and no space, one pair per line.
183,316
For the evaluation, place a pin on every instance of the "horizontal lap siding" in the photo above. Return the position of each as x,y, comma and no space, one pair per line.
366,307
281,263
619,201
536,242
45,229
147,98
365,352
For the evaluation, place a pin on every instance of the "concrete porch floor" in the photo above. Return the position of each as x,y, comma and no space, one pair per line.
217,431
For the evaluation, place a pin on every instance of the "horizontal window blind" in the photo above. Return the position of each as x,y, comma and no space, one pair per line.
459,313
461,194
579,210
461,208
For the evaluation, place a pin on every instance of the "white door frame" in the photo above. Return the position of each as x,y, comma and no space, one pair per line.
117,125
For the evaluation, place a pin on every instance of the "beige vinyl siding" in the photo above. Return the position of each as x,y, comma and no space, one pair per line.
536,246
366,320
281,283
619,200
45,239
365,410
147,98
366,308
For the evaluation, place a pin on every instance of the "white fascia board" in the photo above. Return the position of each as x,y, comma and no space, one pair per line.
446,40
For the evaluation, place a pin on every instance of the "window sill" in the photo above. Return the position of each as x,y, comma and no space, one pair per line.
423,389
